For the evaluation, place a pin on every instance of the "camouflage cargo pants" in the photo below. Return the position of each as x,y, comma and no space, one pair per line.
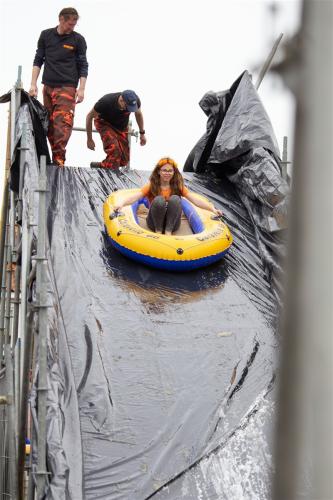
60,104
115,144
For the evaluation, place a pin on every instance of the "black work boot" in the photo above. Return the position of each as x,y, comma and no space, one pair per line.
95,164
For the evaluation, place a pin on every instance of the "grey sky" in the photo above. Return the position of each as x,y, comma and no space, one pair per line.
170,53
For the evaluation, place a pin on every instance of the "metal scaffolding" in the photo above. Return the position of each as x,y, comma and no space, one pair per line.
17,270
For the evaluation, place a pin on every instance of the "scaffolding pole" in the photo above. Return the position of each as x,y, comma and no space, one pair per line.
267,63
4,201
23,428
3,295
26,332
18,239
11,422
3,430
284,163
42,304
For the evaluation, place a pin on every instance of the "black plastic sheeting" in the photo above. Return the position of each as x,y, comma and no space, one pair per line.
39,119
160,384
240,144
150,371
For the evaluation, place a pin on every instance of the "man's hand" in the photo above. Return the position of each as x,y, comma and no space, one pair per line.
33,91
91,144
79,95
143,139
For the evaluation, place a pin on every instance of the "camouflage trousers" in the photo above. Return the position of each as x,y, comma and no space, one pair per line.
60,104
115,145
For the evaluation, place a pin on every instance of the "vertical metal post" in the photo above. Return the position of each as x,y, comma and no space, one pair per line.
305,421
284,162
7,257
4,201
3,296
17,384
8,278
28,339
11,252
17,102
16,302
41,296
129,135
3,225
13,107
31,484
4,239
8,195
23,158
23,154
11,422
27,237
26,335
18,84
2,450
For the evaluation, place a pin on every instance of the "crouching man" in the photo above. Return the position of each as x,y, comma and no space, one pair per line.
111,117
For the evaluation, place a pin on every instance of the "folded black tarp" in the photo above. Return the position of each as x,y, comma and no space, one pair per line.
240,144
39,118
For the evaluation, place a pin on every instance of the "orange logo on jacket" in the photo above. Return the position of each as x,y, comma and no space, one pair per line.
70,47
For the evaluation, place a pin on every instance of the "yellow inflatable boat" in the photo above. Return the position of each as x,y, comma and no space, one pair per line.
201,239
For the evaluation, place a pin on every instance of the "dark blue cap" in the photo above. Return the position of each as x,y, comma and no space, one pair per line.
131,100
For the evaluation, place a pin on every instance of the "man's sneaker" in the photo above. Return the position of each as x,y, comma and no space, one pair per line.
58,162
95,164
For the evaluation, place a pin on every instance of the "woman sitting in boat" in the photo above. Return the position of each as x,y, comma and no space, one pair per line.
164,191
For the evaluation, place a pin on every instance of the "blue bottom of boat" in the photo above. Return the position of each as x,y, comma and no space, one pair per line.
168,265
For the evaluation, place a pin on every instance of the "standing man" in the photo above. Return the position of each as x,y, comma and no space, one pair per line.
63,51
111,117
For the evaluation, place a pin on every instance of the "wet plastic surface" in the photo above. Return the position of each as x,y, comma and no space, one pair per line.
159,383
163,367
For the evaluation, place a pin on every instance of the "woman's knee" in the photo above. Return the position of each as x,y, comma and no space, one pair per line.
158,202
156,214
175,204
175,199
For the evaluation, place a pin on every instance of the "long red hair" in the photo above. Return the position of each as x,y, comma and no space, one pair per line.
176,183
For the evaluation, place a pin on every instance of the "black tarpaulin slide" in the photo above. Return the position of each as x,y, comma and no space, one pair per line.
160,384
154,377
